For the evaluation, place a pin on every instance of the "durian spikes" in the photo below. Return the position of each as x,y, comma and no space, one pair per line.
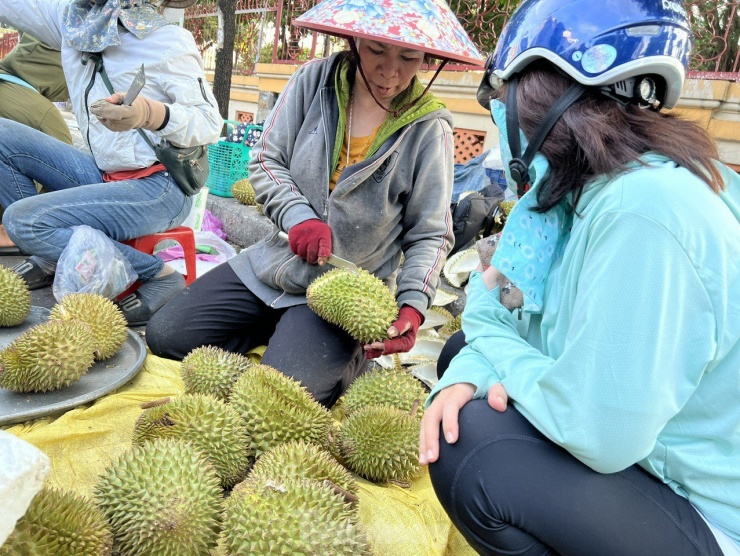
381,443
211,370
451,327
506,207
358,302
291,516
392,387
162,498
15,298
277,409
301,460
108,325
60,524
243,191
49,356
210,425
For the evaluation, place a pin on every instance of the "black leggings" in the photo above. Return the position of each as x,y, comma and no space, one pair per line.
509,490
219,310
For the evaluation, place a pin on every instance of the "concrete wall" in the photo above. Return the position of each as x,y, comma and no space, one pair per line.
715,105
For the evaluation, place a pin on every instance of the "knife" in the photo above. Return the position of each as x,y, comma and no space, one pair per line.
333,260
136,86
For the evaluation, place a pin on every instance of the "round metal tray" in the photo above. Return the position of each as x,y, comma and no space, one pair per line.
102,378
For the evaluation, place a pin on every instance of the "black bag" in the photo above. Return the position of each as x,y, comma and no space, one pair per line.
474,214
188,165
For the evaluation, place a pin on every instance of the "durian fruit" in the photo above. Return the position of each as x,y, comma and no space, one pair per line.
451,327
49,356
59,523
277,409
243,191
109,326
15,298
499,221
435,316
358,302
301,460
162,498
392,387
291,516
211,370
381,443
210,425
506,207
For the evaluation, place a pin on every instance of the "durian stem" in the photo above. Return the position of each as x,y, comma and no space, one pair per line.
348,496
415,407
155,403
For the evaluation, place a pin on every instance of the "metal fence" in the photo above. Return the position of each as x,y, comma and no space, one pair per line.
265,32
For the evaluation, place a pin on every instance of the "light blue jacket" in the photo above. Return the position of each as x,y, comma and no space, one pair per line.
636,355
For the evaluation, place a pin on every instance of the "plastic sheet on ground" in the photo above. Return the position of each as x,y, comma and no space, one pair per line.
82,442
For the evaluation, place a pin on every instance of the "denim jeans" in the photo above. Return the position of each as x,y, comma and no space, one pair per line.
41,224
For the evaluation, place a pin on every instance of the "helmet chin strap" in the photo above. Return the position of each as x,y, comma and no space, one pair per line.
396,113
519,164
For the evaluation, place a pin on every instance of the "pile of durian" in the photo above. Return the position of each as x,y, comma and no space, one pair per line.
245,462
81,329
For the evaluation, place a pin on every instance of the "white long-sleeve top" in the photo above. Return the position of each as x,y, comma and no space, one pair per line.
174,75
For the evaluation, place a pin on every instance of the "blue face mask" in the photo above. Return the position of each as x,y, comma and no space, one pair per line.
530,240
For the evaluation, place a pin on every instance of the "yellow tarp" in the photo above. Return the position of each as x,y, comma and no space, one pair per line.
82,442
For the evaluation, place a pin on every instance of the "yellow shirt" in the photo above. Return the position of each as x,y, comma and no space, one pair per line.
358,147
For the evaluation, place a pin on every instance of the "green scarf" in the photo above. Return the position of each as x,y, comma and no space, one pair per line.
425,105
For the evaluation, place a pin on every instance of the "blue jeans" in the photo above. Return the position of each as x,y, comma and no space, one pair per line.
41,224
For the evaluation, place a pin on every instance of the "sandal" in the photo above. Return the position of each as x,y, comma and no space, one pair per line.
134,309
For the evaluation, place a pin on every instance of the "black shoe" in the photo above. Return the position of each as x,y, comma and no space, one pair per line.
34,276
134,309
13,250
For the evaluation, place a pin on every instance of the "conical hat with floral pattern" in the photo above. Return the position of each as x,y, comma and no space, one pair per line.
425,25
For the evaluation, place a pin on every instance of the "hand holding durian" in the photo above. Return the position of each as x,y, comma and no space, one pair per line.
401,334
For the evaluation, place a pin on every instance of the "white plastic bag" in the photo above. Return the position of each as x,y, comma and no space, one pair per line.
91,263
209,239
23,468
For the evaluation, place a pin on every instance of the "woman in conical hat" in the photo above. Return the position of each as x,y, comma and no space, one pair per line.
356,160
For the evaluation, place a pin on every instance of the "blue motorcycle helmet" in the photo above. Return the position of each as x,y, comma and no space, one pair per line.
634,51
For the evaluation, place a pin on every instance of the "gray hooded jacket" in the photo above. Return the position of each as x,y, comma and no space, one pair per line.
392,203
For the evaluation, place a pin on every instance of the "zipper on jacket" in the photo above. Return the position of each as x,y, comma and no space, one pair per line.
89,87
203,91
279,272
278,298
330,154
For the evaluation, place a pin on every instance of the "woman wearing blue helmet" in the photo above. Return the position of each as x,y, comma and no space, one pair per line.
623,364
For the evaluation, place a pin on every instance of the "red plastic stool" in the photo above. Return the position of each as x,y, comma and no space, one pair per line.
182,235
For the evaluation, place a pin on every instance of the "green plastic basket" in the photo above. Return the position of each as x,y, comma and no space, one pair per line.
228,163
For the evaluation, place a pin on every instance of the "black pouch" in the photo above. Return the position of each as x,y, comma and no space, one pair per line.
188,165
474,214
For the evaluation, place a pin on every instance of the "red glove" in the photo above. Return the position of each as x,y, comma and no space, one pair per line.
310,240
409,320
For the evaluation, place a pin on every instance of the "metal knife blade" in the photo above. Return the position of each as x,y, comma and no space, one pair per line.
136,86
333,260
